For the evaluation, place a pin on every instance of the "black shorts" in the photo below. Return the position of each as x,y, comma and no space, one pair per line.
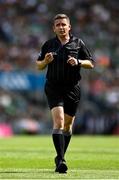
66,96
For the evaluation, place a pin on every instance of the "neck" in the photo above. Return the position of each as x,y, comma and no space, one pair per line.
64,39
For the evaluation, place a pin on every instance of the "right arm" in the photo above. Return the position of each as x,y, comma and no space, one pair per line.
44,57
43,63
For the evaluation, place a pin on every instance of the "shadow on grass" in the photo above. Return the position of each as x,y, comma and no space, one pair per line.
33,174
30,172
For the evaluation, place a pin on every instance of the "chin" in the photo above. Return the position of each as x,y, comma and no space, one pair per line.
62,35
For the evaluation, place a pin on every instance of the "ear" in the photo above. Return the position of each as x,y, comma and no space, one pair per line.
53,29
69,27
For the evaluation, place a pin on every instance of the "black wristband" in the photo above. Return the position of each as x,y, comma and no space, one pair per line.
79,63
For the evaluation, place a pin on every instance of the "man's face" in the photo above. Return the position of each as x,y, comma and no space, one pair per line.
61,27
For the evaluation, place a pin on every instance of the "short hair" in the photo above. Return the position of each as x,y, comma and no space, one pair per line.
61,16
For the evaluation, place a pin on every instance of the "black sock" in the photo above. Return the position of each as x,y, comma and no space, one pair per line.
67,138
58,140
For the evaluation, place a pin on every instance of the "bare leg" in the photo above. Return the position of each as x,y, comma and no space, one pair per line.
58,138
68,123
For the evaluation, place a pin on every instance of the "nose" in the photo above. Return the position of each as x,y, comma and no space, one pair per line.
60,26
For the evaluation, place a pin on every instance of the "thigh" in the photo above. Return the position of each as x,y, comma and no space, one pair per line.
54,95
71,100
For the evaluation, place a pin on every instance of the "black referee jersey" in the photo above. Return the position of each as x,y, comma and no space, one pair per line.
59,71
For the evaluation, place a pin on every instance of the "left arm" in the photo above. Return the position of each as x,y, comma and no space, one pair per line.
84,60
88,64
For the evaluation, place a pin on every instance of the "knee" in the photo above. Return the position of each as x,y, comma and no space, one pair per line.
58,122
68,127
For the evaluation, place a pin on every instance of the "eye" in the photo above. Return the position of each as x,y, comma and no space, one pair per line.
60,24
63,24
57,25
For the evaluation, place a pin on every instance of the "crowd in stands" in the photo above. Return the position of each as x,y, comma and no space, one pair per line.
24,26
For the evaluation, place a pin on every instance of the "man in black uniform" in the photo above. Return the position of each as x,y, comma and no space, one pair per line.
64,55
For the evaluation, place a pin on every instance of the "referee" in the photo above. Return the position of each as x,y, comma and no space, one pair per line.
64,56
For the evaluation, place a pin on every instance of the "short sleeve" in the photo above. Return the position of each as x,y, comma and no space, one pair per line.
43,51
84,52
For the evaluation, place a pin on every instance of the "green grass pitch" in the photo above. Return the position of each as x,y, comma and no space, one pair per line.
32,157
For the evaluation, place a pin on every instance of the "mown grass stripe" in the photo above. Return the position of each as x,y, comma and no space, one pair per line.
93,157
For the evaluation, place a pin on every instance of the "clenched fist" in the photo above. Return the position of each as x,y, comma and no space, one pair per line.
73,61
48,58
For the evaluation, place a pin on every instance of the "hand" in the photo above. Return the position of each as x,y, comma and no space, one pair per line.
48,58
73,61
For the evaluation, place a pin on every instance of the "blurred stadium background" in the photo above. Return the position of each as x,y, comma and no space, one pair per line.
24,26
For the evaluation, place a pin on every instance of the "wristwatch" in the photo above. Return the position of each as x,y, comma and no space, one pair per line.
79,62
